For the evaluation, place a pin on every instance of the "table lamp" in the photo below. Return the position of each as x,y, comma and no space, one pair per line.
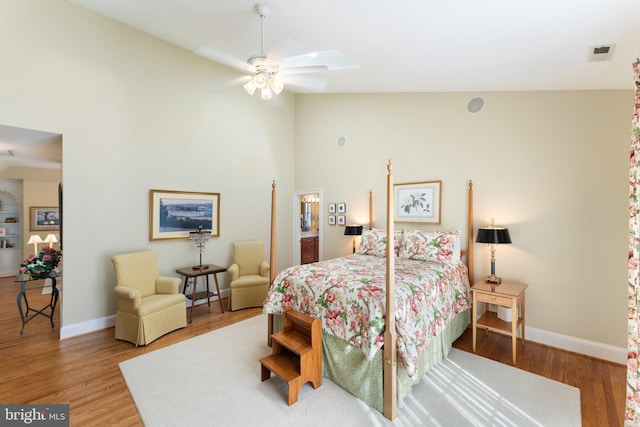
493,235
34,240
200,237
353,230
51,239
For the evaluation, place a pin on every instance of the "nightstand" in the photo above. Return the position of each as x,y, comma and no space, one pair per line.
507,294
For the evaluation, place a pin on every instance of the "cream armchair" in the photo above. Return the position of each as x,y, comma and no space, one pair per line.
249,275
149,305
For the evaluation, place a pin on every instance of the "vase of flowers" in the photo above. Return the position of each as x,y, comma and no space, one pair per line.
41,264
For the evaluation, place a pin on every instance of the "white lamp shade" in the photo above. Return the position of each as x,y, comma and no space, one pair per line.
34,239
51,239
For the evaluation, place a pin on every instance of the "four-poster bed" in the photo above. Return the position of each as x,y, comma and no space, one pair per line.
396,306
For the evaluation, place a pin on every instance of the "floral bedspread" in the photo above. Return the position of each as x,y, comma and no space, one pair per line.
348,294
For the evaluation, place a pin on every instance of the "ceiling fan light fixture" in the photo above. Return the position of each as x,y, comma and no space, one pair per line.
266,93
276,85
250,87
261,80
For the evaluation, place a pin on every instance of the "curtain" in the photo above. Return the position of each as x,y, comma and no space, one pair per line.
632,413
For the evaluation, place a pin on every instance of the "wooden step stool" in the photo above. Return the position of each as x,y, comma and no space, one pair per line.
296,355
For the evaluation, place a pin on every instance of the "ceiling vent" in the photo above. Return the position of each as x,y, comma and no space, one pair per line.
601,53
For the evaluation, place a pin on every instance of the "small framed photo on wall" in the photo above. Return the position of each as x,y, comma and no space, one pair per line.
342,219
332,220
342,207
332,208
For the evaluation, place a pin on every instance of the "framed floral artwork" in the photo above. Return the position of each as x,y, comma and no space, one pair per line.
332,208
342,219
173,214
342,208
418,202
332,219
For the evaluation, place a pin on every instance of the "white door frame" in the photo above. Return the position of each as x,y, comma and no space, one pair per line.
296,223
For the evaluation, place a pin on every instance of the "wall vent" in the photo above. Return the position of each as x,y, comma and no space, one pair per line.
601,53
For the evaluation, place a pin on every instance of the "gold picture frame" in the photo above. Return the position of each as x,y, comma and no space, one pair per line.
44,218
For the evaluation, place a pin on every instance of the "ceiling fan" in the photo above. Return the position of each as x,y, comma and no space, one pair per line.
270,77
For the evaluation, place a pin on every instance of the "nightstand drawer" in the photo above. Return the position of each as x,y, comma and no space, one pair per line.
493,299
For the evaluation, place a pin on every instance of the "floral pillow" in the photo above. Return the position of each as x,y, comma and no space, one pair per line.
430,246
374,242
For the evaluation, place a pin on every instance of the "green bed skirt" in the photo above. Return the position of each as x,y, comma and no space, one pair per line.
348,367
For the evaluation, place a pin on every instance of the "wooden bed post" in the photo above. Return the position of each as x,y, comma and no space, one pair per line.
272,256
389,361
470,234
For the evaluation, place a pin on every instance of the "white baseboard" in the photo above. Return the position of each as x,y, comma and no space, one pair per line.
94,325
577,345
87,327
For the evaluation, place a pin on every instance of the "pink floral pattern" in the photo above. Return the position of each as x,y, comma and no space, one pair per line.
632,413
374,242
429,245
348,294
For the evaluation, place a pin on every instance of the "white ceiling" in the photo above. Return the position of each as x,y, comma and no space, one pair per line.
411,45
29,148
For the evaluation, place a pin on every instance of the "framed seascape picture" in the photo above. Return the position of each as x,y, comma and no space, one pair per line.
418,202
44,218
173,214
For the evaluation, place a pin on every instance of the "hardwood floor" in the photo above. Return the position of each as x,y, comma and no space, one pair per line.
83,371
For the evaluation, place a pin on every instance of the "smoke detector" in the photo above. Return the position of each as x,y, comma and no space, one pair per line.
601,53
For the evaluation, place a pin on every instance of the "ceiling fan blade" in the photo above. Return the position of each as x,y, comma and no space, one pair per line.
287,71
331,59
220,56
303,84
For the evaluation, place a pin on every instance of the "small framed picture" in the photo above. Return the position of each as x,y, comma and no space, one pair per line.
3,231
332,220
332,208
342,207
342,219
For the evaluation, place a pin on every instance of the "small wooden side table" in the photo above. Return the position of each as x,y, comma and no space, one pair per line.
208,269
507,294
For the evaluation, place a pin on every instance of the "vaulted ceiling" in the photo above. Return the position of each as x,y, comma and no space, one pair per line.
410,45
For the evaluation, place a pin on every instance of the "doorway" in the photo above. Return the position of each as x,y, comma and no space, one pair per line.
33,160
307,225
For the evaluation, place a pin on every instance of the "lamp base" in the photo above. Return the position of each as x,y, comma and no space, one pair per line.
494,279
199,267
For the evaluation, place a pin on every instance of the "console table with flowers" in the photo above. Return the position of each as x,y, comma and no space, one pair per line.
38,267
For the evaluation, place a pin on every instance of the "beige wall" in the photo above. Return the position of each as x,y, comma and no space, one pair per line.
135,114
552,166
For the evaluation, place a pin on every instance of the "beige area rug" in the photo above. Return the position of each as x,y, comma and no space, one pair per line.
214,380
